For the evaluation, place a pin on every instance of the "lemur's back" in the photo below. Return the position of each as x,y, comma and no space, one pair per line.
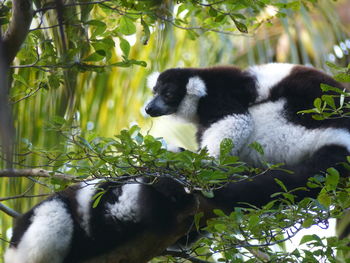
286,135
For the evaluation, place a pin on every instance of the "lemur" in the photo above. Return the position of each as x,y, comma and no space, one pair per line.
259,104
66,228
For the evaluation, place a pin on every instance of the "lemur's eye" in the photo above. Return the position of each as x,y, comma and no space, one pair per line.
167,95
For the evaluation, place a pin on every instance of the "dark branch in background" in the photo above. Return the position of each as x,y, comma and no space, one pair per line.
60,18
10,43
22,15
6,123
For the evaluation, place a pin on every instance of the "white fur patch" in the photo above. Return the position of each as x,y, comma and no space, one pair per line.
196,86
187,110
237,127
48,237
173,148
286,142
84,199
152,80
127,208
268,75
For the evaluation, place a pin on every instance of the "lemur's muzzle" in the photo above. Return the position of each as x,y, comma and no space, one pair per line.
157,107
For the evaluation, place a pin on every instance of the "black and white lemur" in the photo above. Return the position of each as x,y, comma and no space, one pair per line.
258,104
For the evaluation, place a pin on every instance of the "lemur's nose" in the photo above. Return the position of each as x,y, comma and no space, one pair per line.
149,109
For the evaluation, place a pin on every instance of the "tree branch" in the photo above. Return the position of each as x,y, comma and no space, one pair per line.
9,211
6,122
37,173
22,15
184,255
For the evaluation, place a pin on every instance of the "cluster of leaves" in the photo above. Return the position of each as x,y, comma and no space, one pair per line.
4,11
97,34
244,235
334,103
131,155
247,234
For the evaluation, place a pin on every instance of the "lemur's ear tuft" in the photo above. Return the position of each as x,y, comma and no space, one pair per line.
152,79
196,86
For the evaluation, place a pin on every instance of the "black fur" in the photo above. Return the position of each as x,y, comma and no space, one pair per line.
300,89
263,186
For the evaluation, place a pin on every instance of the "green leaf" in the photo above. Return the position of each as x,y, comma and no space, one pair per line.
253,221
329,100
257,147
3,21
220,18
342,77
212,12
129,62
309,238
97,197
20,79
326,88
324,199
308,222
58,120
317,104
94,57
124,46
332,179
197,219
101,52
54,81
334,66
108,42
226,147
220,227
281,184
146,33
219,212
127,26
240,26
99,27
208,194
181,8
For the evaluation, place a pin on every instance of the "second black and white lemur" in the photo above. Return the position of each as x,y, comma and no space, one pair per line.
260,104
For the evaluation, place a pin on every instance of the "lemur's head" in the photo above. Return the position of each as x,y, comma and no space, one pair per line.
176,91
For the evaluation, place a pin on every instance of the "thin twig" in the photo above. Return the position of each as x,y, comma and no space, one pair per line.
27,96
22,196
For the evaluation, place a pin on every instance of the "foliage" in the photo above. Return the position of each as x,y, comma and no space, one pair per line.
92,77
334,103
246,234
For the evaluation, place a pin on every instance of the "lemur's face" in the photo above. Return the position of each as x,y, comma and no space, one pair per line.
168,93
176,91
